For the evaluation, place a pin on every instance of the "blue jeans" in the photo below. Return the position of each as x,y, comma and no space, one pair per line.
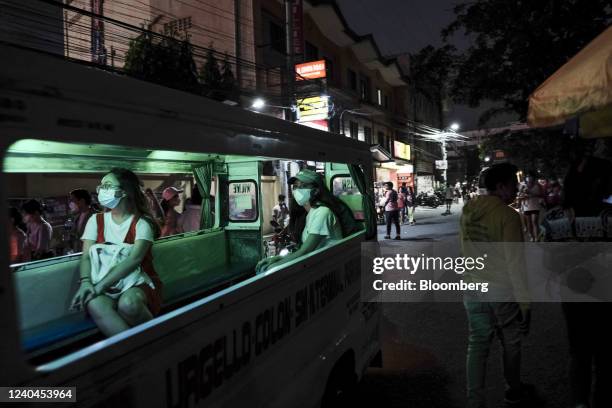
485,320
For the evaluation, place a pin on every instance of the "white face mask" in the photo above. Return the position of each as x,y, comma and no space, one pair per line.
73,207
107,198
302,195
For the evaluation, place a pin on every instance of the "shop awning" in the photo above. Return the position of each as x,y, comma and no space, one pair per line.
580,88
379,154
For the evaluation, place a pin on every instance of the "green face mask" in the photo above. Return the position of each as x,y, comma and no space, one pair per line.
302,195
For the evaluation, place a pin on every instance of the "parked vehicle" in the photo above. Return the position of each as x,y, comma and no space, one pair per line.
225,337
428,200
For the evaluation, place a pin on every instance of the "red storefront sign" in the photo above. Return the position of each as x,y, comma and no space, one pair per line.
310,70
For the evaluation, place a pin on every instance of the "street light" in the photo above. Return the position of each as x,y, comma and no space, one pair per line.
258,103
487,159
454,126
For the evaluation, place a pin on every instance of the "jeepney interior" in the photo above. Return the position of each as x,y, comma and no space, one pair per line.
240,191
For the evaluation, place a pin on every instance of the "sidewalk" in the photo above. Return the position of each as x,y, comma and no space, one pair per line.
430,225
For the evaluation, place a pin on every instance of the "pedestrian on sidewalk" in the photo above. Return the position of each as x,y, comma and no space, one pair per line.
588,189
401,205
489,218
410,204
391,210
449,194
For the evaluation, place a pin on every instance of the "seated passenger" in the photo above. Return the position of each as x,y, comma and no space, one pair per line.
18,246
39,231
190,218
80,207
170,199
129,221
327,219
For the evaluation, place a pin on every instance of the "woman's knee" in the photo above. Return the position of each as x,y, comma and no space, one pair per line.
130,305
99,307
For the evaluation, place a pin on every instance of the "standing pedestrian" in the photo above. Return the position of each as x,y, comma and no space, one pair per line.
280,212
391,210
587,189
449,194
401,205
489,218
410,204
532,199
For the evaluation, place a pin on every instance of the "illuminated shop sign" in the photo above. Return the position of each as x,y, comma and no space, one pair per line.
314,108
310,70
401,150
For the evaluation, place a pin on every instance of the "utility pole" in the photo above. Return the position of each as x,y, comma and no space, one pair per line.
238,37
290,68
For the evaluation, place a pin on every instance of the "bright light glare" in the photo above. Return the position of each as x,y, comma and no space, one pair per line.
454,126
284,252
258,103
487,159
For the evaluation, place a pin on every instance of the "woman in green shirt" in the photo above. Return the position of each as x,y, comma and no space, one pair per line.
328,219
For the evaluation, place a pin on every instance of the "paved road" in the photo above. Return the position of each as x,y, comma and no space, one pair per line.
424,344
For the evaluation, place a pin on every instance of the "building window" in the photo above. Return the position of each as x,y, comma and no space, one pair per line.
379,97
364,88
172,28
277,37
352,79
367,132
311,52
353,129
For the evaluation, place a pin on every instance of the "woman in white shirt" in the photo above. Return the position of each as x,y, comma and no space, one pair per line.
129,221
324,219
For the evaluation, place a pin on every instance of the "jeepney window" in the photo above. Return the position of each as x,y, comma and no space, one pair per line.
345,188
54,189
243,201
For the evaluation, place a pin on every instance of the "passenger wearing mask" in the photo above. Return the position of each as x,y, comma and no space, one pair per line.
328,219
190,218
18,246
39,231
114,304
80,207
170,199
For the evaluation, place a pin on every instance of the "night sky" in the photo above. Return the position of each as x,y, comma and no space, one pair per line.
406,26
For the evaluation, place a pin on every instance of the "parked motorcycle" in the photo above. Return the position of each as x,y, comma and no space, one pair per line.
428,200
281,240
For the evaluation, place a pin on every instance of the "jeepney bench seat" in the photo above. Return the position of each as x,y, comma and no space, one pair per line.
187,266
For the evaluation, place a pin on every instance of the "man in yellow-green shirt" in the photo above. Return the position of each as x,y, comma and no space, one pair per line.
489,219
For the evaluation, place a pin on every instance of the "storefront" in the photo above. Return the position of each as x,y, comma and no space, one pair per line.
425,183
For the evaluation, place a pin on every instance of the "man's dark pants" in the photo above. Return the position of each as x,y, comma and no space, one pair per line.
392,217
